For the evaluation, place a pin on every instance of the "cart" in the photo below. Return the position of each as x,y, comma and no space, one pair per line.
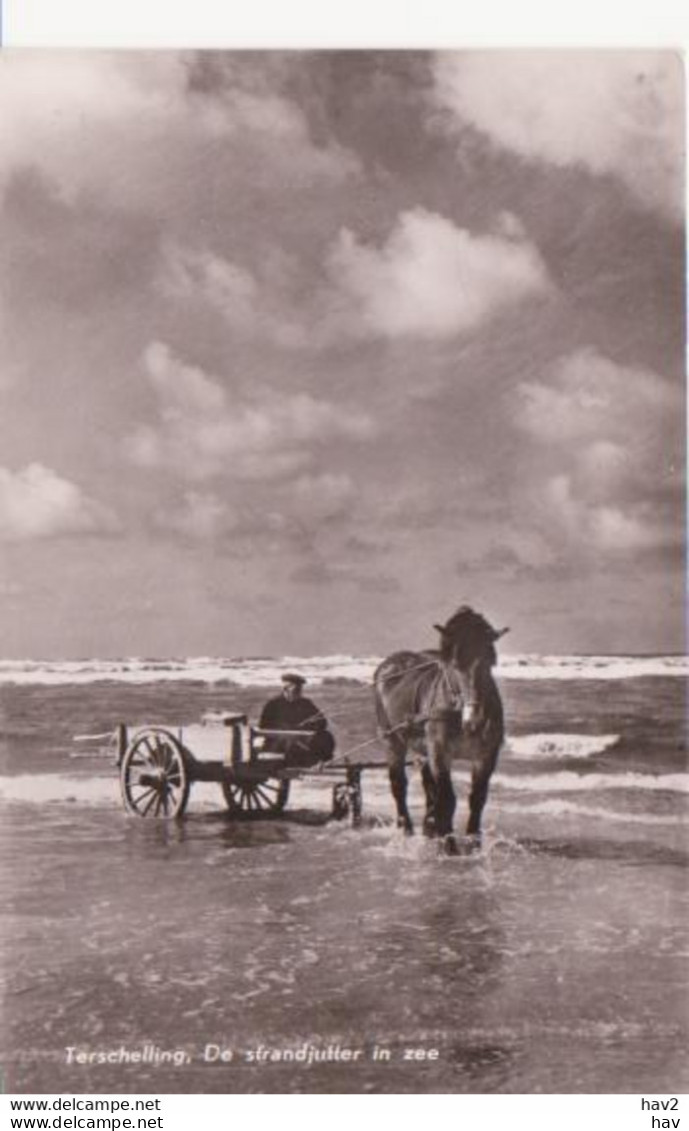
159,764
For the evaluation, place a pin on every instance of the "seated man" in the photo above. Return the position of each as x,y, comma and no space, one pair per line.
292,711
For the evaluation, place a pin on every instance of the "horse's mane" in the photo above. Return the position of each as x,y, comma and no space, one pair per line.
466,619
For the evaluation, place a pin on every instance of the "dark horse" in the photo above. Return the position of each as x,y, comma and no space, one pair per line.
439,705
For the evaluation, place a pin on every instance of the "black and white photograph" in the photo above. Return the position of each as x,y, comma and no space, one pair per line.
342,572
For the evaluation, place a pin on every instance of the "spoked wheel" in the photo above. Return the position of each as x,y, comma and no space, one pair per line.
154,776
264,798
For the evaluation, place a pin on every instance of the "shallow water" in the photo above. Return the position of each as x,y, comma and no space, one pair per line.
554,960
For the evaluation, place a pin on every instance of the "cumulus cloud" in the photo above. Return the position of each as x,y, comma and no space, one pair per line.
612,444
612,112
606,527
181,388
240,529
188,272
255,309
432,279
36,503
589,398
140,113
64,99
201,433
288,518
199,517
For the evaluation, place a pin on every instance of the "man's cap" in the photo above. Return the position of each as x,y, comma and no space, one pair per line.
295,678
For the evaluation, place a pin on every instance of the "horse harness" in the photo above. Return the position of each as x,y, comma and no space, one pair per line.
451,711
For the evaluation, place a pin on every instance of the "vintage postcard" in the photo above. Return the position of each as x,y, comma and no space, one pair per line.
320,371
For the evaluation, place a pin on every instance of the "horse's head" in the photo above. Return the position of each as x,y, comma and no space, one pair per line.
467,646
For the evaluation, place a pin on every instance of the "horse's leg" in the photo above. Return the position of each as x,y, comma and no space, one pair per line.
429,789
445,801
398,785
480,780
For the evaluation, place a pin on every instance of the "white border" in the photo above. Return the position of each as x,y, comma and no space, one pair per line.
362,24
350,23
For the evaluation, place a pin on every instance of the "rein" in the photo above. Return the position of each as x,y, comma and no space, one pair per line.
444,688
446,679
455,694
447,682
382,679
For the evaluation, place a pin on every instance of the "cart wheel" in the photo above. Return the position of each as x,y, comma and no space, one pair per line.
154,776
347,798
256,799
340,808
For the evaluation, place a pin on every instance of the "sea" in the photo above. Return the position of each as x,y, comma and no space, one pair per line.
298,954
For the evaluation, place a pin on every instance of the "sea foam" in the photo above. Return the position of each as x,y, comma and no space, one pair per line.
560,808
315,790
319,669
532,747
566,781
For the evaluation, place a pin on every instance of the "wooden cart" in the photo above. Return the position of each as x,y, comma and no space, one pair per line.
158,765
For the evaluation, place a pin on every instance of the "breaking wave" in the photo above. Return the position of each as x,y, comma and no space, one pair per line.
558,807
539,746
566,781
266,672
101,789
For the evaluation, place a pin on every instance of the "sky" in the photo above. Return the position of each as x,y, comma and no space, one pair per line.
299,351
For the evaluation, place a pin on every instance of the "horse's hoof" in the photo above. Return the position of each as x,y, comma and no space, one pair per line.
449,845
429,827
406,826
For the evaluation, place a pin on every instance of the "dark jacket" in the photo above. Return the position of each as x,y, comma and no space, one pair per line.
297,714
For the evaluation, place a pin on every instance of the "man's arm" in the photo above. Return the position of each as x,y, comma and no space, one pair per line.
269,716
312,718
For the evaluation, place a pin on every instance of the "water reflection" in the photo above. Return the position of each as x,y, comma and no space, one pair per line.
200,831
459,938
599,848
